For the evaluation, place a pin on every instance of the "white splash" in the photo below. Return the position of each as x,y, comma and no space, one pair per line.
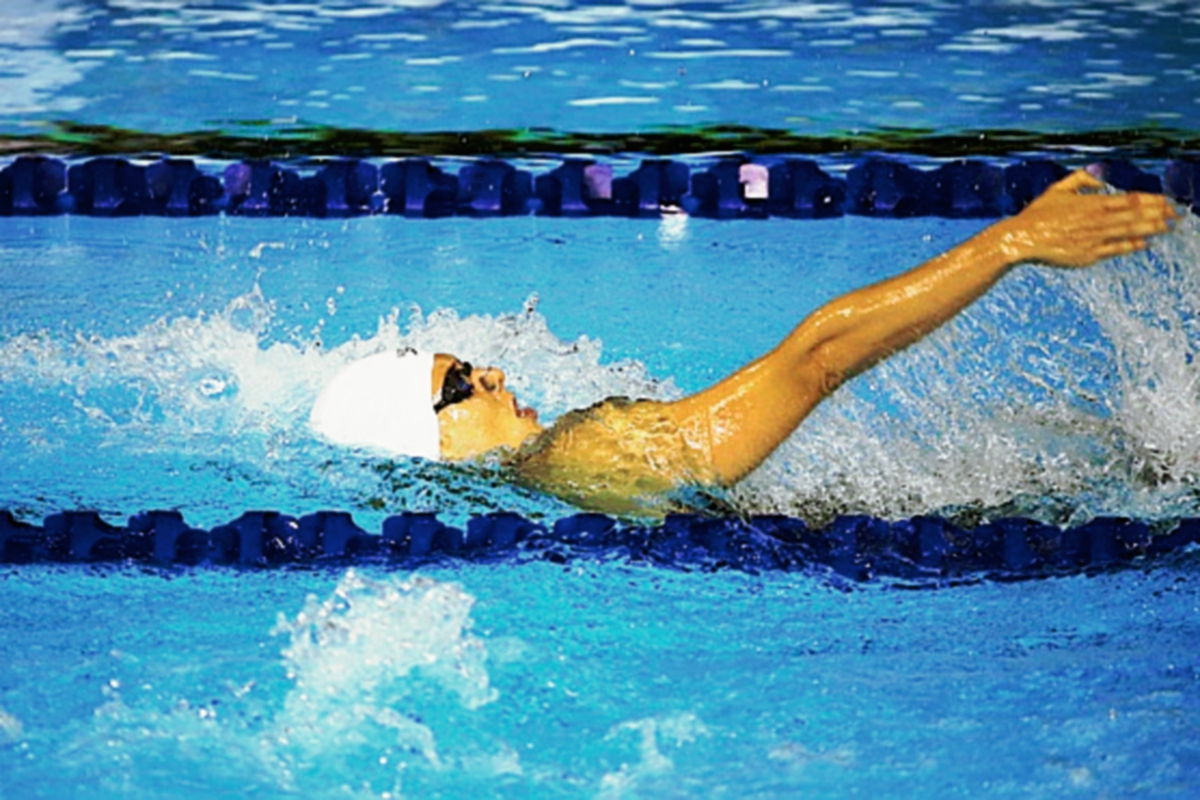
363,662
220,374
1061,395
1151,315
1058,384
674,729
177,369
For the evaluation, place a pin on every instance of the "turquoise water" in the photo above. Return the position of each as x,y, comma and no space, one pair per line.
170,363
594,679
153,363
215,334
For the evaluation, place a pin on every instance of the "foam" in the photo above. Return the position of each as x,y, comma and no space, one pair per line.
354,659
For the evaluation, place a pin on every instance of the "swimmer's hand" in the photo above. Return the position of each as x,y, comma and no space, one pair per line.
742,419
1074,224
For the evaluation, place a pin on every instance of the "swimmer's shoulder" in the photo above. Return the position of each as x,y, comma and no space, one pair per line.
618,454
606,420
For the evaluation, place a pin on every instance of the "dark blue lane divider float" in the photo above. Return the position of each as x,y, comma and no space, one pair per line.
925,549
725,187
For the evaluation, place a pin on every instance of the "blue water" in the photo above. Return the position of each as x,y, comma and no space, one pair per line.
154,363
595,679
217,330
159,363
166,363
426,65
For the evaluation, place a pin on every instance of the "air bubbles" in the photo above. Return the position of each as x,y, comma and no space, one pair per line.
212,387
257,250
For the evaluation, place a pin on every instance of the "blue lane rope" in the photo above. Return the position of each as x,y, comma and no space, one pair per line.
928,549
730,187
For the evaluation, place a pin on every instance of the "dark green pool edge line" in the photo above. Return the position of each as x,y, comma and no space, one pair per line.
262,140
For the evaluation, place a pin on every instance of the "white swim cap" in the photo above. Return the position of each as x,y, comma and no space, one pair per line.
383,402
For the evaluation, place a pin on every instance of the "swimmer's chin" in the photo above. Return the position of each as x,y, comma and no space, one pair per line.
501,455
522,412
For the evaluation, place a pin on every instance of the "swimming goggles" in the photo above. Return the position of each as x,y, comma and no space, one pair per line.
456,386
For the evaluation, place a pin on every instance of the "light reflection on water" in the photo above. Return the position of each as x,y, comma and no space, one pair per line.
813,68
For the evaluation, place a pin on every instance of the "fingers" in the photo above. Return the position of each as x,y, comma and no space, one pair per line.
1149,205
1119,240
1120,247
1081,189
1153,202
1127,228
1074,223
1132,214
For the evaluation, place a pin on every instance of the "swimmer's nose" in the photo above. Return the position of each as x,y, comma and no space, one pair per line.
492,379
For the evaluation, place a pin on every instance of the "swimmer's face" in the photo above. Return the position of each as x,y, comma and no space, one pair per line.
488,418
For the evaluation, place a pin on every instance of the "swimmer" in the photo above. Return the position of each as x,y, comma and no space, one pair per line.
637,457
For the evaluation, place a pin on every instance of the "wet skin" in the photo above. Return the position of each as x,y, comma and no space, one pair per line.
727,430
489,419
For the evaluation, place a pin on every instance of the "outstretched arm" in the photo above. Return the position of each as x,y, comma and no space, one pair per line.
745,417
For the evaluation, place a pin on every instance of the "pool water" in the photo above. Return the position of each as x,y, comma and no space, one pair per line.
594,679
170,363
588,67
161,363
